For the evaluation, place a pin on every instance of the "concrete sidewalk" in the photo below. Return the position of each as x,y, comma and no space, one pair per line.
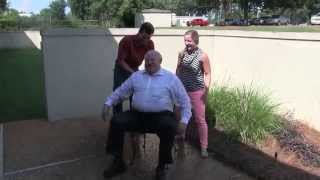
74,150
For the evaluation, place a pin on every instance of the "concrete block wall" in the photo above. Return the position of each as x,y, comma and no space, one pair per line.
25,39
284,65
79,66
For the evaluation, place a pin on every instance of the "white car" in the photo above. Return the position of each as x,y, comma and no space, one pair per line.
315,19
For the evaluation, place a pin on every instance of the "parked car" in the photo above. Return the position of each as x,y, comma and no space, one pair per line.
245,22
198,22
315,19
256,21
228,22
259,21
263,19
233,22
277,20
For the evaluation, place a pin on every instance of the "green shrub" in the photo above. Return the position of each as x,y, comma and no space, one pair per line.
243,113
8,24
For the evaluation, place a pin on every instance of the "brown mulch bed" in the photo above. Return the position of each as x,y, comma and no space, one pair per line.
293,154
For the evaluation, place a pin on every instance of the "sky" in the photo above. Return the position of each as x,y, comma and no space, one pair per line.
29,6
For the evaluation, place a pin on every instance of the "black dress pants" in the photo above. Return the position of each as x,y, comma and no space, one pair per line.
120,75
164,124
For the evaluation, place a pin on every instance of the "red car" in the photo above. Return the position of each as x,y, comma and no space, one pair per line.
198,22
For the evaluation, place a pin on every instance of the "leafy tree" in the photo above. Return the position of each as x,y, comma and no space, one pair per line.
57,8
161,4
45,14
226,6
129,11
313,6
244,4
122,12
11,14
117,12
109,11
248,5
81,8
298,10
9,20
184,7
3,5
283,5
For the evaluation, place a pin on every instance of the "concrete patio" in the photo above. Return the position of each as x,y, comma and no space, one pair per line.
74,150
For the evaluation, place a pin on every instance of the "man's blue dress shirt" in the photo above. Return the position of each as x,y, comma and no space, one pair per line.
153,93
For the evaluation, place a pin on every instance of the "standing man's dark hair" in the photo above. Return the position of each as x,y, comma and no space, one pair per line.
147,28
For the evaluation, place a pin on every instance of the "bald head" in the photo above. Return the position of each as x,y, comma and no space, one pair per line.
152,61
153,54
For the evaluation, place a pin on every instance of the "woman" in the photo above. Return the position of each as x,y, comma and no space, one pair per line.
194,71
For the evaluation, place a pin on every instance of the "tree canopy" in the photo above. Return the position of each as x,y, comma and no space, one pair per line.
57,9
122,12
117,12
82,9
3,5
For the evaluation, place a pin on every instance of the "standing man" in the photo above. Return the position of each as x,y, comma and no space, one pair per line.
131,51
155,92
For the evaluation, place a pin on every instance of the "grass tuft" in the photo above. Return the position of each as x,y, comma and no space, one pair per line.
243,113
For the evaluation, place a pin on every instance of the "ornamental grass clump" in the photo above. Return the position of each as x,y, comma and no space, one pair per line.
243,113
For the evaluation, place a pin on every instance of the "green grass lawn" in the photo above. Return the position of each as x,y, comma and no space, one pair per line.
22,94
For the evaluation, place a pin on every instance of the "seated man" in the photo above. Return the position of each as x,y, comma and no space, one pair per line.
155,92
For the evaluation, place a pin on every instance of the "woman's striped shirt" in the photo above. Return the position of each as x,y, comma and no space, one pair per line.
190,70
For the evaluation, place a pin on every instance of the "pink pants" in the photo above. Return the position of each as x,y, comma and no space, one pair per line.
199,111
